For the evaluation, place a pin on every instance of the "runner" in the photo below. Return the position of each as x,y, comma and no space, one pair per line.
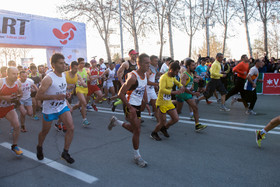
134,96
125,68
82,91
151,93
164,103
10,92
109,76
36,77
187,80
216,83
53,93
242,70
260,134
93,85
25,108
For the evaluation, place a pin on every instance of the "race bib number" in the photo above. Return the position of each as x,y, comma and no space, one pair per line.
4,103
139,92
166,97
56,104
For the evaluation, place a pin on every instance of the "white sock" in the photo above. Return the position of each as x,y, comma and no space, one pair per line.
84,119
263,131
119,122
136,153
191,113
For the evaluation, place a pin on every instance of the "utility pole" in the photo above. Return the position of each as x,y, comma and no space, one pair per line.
121,32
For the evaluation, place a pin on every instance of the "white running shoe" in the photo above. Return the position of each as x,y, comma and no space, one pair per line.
112,123
224,108
140,162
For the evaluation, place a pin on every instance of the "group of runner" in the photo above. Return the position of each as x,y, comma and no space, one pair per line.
141,85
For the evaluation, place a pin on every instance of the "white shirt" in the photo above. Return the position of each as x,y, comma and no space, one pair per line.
26,88
164,68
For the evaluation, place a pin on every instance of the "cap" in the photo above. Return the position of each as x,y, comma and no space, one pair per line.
132,52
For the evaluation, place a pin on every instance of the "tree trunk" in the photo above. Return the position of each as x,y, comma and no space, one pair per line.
207,37
248,38
106,42
135,39
190,45
161,41
225,38
170,36
265,36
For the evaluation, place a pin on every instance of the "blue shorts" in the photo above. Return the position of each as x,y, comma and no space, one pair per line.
27,102
55,116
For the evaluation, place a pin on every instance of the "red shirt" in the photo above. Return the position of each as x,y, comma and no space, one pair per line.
94,71
242,70
6,90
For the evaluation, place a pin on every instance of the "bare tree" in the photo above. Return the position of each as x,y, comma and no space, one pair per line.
224,14
190,20
246,10
134,15
207,7
98,12
171,6
267,9
159,8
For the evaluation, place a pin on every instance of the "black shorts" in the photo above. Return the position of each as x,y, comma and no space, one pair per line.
33,94
214,84
201,83
138,111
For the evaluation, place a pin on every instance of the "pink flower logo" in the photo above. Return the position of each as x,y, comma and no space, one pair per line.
66,33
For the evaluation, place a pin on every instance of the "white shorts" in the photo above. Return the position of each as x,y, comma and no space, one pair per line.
108,84
151,94
26,102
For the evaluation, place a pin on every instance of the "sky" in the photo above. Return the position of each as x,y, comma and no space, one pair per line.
95,46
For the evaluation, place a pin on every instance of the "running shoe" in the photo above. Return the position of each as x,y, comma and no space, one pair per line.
112,123
140,162
208,102
58,127
113,106
250,112
86,123
155,136
17,150
89,107
200,127
94,107
164,132
142,121
224,108
40,154
104,99
192,117
67,157
233,100
109,100
35,117
259,137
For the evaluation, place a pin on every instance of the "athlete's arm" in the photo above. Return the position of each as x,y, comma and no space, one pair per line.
131,80
80,81
120,72
19,90
46,83
149,72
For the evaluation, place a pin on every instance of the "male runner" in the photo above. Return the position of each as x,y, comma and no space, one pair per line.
187,80
10,92
134,96
109,76
25,108
125,68
53,93
164,103
151,93
215,83
36,77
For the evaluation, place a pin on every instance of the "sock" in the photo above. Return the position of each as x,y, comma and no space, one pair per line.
84,119
191,113
119,122
118,102
263,132
196,124
65,151
136,153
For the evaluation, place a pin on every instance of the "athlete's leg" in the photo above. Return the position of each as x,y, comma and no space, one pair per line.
12,117
67,120
155,111
23,113
112,90
46,126
272,124
82,103
174,118
193,106
162,121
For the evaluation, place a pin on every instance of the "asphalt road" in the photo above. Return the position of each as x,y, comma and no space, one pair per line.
224,154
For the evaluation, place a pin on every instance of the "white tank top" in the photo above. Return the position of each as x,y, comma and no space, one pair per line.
58,86
135,97
111,75
26,88
152,78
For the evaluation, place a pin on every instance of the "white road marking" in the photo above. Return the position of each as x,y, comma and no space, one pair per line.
55,165
229,125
